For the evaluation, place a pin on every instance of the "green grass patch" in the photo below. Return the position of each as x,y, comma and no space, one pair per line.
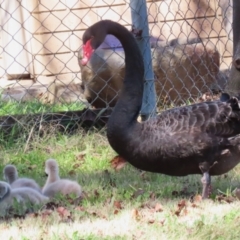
124,204
13,107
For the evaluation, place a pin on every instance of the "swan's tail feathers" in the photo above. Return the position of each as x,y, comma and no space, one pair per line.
233,101
234,141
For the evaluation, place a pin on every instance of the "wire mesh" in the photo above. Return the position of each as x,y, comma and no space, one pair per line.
191,45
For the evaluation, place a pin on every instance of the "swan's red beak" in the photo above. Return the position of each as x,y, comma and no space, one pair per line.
87,52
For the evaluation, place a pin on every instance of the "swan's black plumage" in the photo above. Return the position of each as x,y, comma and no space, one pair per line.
199,138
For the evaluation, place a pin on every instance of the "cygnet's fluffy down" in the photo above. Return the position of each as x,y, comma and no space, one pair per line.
11,176
22,195
52,171
55,185
63,186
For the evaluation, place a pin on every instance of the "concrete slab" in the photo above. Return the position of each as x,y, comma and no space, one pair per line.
46,89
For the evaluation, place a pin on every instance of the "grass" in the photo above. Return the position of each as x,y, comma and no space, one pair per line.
124,204
13,107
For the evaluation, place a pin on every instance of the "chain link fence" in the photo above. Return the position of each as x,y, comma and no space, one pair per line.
191,44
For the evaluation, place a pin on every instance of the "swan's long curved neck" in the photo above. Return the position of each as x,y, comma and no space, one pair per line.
11,177
130,100
53,176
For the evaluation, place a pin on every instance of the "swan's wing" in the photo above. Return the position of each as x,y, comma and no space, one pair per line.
191,131
217,118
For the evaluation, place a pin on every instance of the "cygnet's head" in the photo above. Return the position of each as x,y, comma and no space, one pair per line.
4,189
10,173
51,166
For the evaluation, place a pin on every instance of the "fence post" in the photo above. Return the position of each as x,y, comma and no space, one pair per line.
235,24
233,85
140,22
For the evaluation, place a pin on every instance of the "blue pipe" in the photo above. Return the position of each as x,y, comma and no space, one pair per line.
140,22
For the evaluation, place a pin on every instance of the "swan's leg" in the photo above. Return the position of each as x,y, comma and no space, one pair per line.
206,182
206,179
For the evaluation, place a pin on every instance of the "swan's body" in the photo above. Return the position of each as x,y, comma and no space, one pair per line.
179,141
22,195
63,186
11,176
55,185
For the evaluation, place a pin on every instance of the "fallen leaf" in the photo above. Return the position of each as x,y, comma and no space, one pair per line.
151,221
135,214
177,212
118,163
117,204
224,198
115,211
197,198
194,205
63,212
94,213
98,214
181,205
158,207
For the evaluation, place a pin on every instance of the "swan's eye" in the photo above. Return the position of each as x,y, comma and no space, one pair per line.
87,52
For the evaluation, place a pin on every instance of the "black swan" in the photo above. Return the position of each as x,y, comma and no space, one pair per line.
196,139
